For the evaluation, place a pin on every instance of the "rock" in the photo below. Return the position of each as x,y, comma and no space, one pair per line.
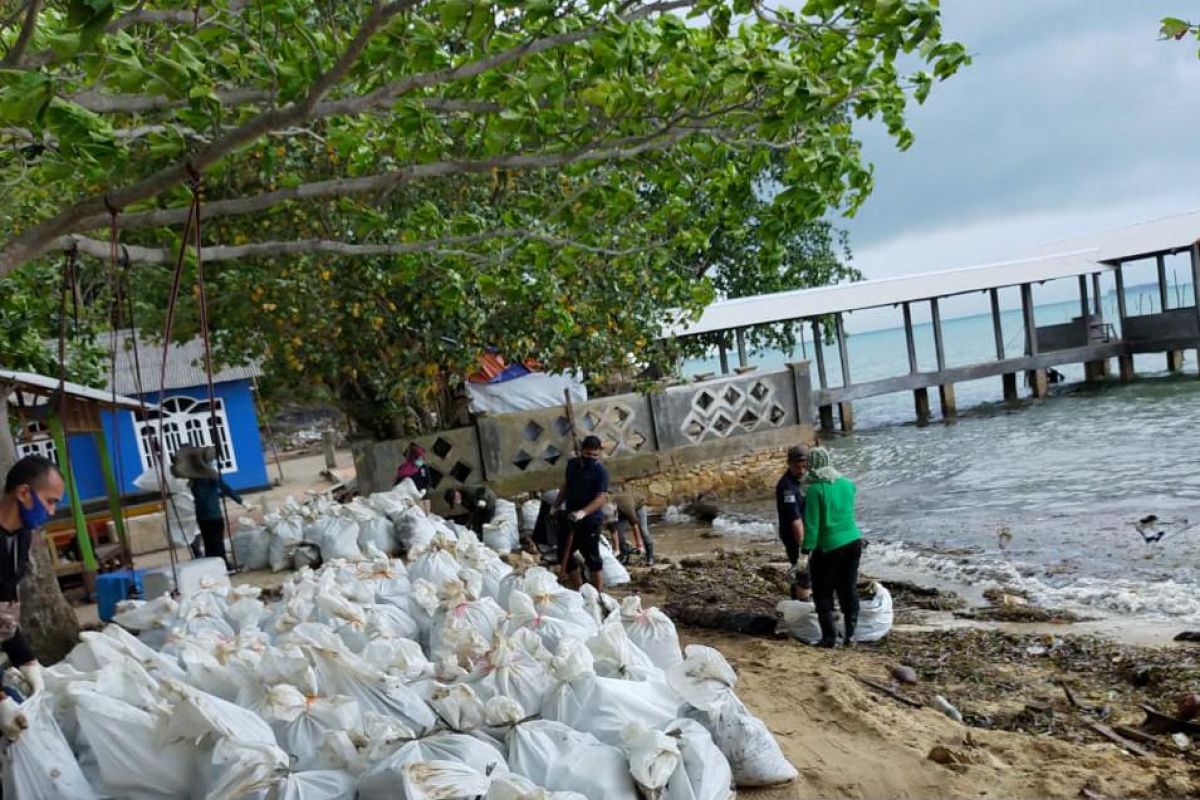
940,754
1188,636
660,489
1189,706
1142,675
905,674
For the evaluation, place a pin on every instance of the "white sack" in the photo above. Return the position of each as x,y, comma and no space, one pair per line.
286,532
251,545
652,631
874,615
553,755
800,620
40,765
380,782
705,680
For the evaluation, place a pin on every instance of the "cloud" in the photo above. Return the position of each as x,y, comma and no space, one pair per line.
1072,118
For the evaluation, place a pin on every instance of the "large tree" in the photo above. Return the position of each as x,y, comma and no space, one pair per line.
391,187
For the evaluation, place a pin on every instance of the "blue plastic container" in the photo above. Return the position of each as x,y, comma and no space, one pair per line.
113,587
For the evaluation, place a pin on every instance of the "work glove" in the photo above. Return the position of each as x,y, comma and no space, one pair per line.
12,719
576,516
32,672
481,503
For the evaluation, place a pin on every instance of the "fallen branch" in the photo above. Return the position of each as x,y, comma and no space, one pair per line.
1070,695
890,692
1120,741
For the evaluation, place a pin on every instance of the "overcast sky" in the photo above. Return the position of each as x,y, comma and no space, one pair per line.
1072,118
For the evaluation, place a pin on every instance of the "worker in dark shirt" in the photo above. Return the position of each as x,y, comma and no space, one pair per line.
789,503
207,493
33,489
472,506
584,493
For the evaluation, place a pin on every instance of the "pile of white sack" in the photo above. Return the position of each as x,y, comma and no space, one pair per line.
447,677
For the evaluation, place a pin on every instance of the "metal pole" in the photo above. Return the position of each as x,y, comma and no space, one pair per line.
908,338
1083,297
843,355
937,334
1119,275
1096,294
1031,344
723,354
1160,262
740,335
1196,279
997,328
819,349
64,461
113,491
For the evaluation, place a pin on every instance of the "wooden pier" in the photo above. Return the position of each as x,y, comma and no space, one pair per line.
1086,339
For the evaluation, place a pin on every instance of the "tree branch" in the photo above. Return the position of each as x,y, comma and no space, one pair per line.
33,241
345,187
82,215
13,57
444,246
140,16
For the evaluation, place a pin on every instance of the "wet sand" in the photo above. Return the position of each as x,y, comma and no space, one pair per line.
1023,738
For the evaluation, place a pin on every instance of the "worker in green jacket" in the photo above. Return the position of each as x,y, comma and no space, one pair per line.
832,537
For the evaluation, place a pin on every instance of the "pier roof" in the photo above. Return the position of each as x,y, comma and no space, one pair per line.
844,297
1165,235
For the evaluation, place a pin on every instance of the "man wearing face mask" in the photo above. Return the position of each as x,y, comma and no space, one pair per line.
584,492
32,491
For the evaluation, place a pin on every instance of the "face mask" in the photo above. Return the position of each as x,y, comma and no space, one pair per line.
212,465
35,517
420,462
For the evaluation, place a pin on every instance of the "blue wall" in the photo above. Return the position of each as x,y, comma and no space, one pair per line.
243,423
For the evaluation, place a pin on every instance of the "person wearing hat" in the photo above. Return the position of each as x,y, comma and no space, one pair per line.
33,489
789,505
832,536
584,493
471,506
208,487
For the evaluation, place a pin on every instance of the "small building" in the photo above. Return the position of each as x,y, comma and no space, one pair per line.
183,414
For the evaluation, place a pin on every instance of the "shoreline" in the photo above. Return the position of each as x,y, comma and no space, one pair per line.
1023,735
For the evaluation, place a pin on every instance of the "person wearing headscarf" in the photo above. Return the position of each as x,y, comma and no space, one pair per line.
415,469
208,488
834,541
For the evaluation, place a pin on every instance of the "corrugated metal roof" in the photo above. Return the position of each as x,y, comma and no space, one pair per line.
808,303
185,366
43,385
1176,232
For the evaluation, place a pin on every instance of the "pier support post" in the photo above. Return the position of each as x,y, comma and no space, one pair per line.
1125,364
1039,385
846,414
921,404
946,396
825,415
1174,360
1010,387
1095,370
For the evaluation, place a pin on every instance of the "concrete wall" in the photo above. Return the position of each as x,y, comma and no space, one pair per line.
1175,323
642,434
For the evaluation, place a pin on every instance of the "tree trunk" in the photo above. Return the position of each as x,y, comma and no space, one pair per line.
46,616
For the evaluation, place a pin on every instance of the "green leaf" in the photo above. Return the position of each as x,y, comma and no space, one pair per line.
1174,28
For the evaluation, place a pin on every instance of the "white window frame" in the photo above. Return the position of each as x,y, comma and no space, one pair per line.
185,421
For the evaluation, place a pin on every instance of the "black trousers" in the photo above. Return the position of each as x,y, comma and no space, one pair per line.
836,572
212,531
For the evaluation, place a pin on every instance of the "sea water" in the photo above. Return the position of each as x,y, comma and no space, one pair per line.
1044,496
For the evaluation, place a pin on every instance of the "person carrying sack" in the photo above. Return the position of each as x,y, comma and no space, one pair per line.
584,493
832,537
33,489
